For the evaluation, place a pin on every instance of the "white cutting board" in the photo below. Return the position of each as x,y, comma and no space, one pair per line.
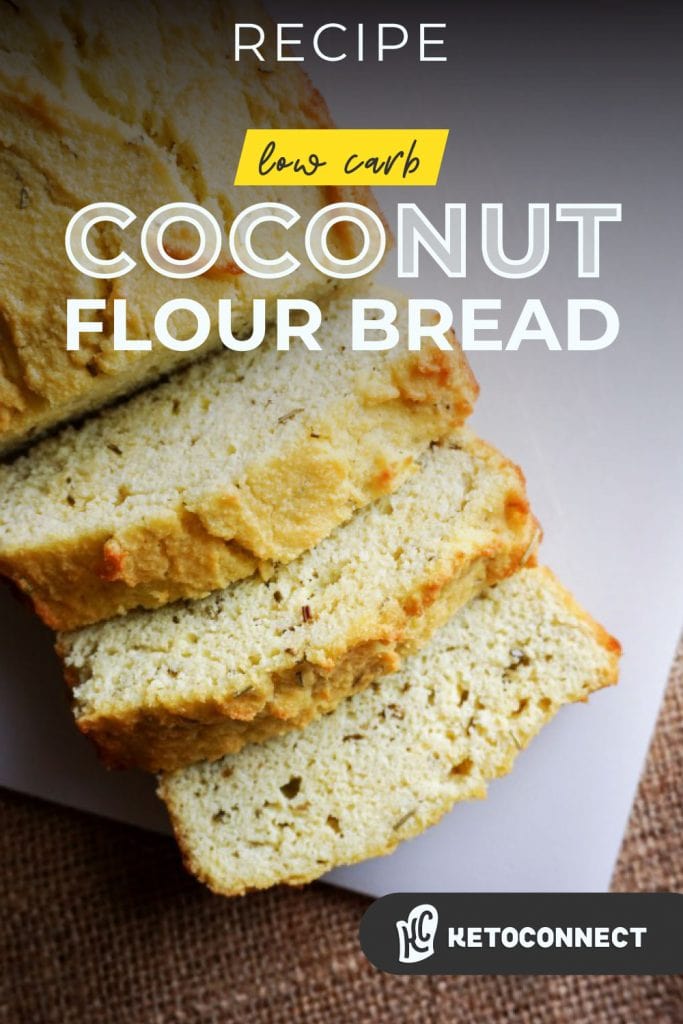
600,437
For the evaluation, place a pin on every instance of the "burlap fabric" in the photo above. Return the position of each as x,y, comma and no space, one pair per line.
100,924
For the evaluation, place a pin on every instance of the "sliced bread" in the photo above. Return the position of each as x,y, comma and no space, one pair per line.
240,460
142,104
199,679
390,761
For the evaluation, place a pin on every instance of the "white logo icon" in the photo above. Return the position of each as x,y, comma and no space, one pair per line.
416,935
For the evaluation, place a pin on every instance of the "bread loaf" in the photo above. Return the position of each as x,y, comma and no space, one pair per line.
238,461
139,104
199,679
390,761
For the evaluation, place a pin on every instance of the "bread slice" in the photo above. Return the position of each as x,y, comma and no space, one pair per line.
162,689
390,761
240,460
132,103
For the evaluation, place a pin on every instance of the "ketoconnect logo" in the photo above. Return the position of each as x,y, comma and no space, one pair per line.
416,934
525,933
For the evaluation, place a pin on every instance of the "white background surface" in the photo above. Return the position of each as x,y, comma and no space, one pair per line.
599,436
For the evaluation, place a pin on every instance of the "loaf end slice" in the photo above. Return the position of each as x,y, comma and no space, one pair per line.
391,761
200,679
100,101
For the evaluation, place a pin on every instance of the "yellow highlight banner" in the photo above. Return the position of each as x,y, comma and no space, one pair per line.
341,156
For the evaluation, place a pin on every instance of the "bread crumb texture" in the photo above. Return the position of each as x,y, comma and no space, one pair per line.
136,102
199,679
390,761
241,460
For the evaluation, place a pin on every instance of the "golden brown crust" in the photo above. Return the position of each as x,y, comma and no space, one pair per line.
609,643
166,738
508,747
67,138
296,496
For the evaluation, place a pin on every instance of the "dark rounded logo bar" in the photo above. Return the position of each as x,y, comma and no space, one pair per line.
525,933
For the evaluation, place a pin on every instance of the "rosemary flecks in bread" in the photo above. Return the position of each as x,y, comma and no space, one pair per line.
239,461
391,761
195,680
